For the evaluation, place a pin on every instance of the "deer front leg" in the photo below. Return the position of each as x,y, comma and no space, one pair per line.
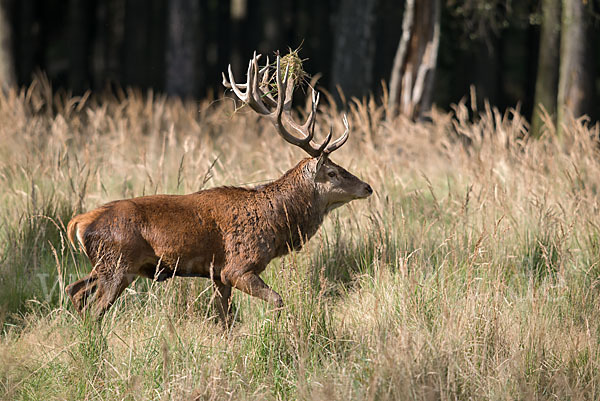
223,302
248,281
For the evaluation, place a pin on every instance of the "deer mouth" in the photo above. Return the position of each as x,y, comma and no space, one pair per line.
361,193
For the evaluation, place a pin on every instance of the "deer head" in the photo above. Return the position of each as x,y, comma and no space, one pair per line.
334,184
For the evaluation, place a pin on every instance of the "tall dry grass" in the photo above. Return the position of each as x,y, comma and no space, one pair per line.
472,273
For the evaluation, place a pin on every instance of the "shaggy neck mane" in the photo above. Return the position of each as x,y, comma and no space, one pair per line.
293,212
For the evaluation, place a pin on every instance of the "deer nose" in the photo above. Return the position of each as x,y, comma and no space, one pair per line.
369,189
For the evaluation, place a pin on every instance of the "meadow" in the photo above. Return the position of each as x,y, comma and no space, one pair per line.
471,273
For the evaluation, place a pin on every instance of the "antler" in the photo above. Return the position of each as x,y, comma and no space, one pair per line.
277,110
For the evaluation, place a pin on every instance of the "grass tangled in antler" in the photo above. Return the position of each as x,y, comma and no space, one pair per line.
293,64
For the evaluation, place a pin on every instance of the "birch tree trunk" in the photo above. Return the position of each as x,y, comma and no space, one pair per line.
411,82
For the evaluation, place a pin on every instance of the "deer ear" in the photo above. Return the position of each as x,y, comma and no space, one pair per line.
320,161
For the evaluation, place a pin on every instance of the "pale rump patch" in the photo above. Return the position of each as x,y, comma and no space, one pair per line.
80,239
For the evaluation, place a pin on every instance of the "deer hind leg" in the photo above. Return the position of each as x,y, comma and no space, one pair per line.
223,302
98,290
110,287
81,291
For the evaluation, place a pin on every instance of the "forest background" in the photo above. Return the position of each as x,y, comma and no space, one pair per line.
510,51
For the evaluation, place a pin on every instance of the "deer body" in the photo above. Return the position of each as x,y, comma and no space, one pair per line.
227,234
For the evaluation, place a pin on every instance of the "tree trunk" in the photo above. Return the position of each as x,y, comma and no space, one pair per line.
546,84
24,32
272,25
111,41
80,33
129,43
183,50
156,46
137,43
7,69
411,83
354,47
223,38
575,89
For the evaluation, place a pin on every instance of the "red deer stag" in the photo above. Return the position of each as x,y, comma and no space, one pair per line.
226,234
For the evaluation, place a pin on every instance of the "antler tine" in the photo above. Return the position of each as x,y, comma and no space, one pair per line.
306,129
235,87
311,116
311,119
226,83
265,68
261,73
326,142
253,89
309,124
264,77
341,140
282,87
260,81
253,94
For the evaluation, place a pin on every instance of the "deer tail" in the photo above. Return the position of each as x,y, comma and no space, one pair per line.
71,230
78,224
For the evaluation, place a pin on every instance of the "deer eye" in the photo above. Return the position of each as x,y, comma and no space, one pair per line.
331,174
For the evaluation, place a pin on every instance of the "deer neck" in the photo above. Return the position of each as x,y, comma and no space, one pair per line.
294,213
